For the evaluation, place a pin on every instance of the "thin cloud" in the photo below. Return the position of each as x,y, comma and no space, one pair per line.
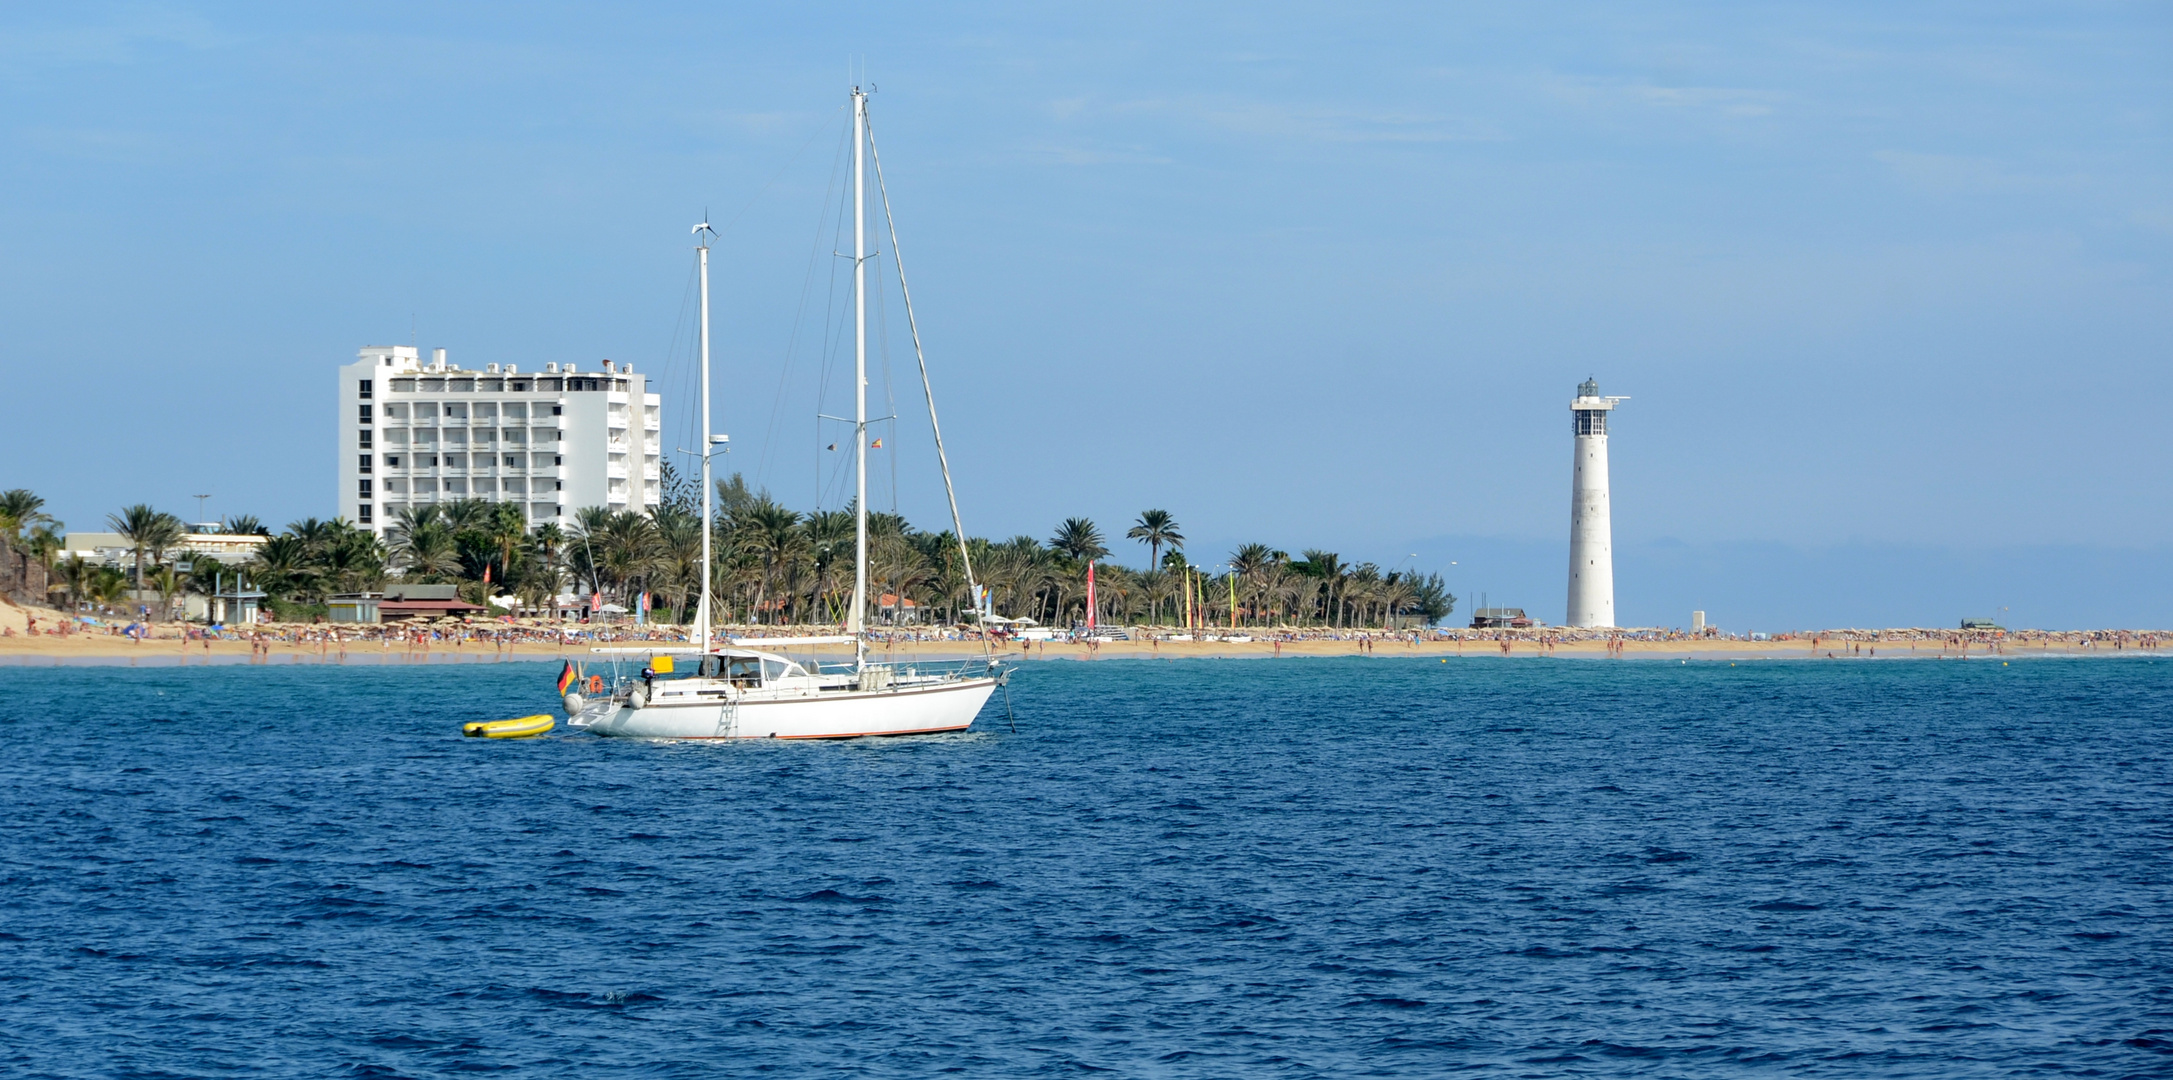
1615,93
1947,174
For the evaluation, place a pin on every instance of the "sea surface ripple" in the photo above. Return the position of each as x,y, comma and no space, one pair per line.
1320,867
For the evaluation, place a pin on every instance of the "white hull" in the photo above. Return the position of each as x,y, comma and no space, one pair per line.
832,714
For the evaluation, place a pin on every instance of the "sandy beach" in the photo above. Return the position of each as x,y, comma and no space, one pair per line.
484,642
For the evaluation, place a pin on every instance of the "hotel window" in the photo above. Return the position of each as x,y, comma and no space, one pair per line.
365,412
364,514
365,444
365,488
511,460
558,461
364,389
366,463
392,461
558,410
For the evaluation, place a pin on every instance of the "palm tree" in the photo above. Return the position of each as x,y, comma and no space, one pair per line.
77,576
899,568
246,525
109,586
1079,539
426,550
1325,567
830,545
770,533
44,544
629,552
505,528
169,582
354,560
313,534
1154,529
1251,564
145,530
1399,593
282,565
19,510
1361,591
466,514
583,545
679,552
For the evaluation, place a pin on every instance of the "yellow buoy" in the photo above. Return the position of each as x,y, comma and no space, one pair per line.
520,728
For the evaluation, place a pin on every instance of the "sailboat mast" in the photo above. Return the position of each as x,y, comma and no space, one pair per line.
709,490
858,624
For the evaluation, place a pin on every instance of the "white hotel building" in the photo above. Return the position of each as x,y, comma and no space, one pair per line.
552,441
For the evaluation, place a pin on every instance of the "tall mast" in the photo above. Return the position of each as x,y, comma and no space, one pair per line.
858,623
709,491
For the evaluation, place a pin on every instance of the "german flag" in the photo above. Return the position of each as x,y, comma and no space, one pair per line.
565,678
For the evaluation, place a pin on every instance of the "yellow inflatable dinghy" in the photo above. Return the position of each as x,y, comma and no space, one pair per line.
521,728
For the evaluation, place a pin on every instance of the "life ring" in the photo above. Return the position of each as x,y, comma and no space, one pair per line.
596,684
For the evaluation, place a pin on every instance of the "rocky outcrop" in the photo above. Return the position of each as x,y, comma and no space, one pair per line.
22,578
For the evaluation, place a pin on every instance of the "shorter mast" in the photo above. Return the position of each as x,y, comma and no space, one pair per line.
709,492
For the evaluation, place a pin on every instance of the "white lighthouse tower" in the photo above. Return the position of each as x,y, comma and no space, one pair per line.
1591,528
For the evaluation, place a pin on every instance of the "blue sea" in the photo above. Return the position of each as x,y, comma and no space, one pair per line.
1305,867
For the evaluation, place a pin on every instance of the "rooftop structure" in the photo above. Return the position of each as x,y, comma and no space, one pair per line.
551,442
113,549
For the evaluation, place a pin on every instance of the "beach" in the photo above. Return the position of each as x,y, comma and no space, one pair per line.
486,642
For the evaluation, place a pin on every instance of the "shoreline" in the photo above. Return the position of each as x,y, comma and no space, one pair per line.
29,637
99,650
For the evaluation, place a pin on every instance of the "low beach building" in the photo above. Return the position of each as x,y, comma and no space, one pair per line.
399,603
204,538
550,442
1500,618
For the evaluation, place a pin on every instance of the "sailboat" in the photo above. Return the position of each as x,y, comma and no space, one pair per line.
752,689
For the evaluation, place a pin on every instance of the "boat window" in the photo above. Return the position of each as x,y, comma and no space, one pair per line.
711,665
773,670
744,671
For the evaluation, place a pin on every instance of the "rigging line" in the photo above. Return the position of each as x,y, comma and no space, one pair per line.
897,255
833,317
686,389
799,315
764,189
890,386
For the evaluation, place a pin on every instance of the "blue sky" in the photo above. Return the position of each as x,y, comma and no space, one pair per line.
1887,285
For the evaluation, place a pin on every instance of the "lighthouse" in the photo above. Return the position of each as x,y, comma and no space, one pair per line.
1591,530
